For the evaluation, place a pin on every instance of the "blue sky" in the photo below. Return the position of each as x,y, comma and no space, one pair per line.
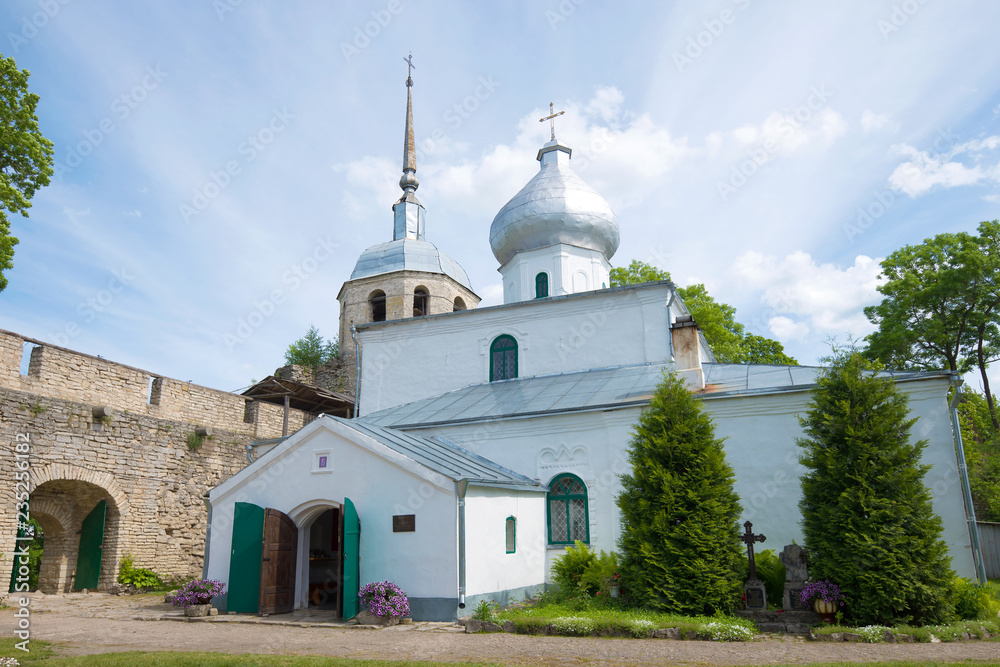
223,163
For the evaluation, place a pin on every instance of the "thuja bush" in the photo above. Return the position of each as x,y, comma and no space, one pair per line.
867,516
679,539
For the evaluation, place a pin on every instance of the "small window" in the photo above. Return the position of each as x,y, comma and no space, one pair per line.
459,304
376,306
503,358
568,511
420,302
541,285
511,534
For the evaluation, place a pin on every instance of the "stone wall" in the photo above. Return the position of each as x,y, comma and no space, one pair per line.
139,460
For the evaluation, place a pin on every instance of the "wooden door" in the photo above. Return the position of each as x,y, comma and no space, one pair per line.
245,558
277,566
88,558
351,579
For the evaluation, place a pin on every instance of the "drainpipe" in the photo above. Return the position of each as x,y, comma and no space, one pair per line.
208,536
461,486
357,369
963,473
670,336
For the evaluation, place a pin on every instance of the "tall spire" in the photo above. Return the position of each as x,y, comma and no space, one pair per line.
409,181
408,212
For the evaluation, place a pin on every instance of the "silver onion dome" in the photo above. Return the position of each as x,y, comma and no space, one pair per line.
556,206
408,255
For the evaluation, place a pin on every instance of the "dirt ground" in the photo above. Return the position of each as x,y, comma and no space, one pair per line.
85,624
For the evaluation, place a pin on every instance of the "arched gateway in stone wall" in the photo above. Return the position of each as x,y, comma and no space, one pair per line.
115,462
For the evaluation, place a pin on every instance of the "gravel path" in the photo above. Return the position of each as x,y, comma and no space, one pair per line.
97,624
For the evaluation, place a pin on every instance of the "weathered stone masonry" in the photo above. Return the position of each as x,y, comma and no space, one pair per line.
138,459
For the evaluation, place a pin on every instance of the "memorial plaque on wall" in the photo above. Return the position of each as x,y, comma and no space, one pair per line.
755,598
404,523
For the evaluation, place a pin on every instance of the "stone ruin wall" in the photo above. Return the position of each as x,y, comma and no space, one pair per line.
138,460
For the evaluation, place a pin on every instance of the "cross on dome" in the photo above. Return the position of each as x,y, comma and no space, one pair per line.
552,118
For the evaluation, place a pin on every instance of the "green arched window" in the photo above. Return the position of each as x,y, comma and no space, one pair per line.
568,510
541,285
503,358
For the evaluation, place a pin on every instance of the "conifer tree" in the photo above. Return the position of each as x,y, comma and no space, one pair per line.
679,514
867,517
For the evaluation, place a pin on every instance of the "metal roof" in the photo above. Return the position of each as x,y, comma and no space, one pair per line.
444,457
605,388
408,255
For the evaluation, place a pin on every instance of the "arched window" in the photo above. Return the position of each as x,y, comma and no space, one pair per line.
420,301
541,285
568,511
511,527
459,304
376,306
503,358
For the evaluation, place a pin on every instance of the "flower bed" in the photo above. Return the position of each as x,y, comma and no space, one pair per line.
874,634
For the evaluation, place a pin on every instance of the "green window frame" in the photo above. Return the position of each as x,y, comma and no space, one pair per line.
503,358
568,510
510,527
541,285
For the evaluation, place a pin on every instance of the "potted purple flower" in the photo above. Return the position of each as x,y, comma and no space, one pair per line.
196,596
825,596
385,601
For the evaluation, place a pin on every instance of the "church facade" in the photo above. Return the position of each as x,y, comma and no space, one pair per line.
541,394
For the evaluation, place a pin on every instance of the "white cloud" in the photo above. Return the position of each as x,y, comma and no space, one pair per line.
924,171
785,328
790,131
824,298
134,213
871,122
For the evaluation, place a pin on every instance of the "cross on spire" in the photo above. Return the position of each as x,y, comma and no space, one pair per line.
409,69
552,119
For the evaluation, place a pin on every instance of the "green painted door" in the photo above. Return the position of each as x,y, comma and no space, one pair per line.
244,560
88,558
352,560
22,531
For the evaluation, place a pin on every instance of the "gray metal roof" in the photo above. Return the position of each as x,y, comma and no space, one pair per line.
408,255
444,457
604,388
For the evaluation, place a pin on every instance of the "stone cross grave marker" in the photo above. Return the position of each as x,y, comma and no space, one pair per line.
795,560
754,590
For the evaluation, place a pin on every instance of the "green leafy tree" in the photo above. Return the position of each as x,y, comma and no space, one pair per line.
25,155
981,442
637,273
866,514
312,350
679,539
941,306
730,342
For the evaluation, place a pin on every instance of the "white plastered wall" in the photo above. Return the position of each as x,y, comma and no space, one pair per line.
424,563
760,433
489,568
570,269
412,359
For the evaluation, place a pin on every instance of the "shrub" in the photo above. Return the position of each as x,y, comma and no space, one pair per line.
973,601
199,591
385,599
866,513
569,568
140,577
485,611
679,538
601,575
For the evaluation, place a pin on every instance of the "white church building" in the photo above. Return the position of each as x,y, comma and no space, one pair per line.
489,439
